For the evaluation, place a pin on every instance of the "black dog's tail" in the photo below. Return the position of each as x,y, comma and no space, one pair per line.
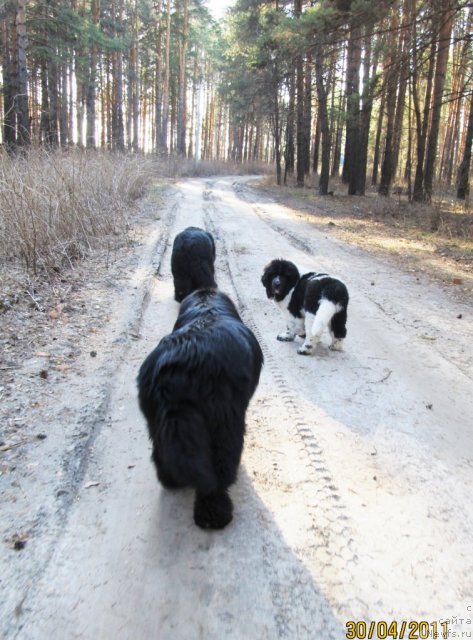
184,445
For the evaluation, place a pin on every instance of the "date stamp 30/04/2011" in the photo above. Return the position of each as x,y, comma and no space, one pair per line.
406,629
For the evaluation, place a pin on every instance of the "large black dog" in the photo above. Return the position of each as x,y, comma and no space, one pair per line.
309,303
194,389
192,262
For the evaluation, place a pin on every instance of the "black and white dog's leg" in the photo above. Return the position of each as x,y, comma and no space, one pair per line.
315,325
287,336
290,333
338,330
312,335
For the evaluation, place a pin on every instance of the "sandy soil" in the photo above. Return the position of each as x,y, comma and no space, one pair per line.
354,496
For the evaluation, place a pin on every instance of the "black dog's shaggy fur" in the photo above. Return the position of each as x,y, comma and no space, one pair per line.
192,262
310,303
194,389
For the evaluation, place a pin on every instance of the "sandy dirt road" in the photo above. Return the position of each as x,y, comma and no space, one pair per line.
354,496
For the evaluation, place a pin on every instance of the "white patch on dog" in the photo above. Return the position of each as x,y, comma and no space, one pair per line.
294,326
282,304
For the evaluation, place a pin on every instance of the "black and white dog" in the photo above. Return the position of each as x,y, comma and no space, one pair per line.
194,390
310,303
192,261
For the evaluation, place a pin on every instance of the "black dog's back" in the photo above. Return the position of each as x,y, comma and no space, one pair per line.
194,389
192,261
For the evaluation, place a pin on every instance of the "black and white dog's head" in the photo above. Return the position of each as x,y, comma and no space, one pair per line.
279,278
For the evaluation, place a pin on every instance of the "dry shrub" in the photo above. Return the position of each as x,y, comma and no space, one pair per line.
55,206
176,167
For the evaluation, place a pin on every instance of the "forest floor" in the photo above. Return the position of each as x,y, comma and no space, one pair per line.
354,496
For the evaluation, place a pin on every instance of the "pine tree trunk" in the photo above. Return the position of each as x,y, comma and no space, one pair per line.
9,76
402,83
118,134
353,109
158,80
353,114
392,80
22,110
45,124
377,143
277,125
190,143
182,90
307,113
163,146
366,110
289,154
422,122
451,147
64,133
440,73
408,171
337,145
316,151
387,168
337,120
463,183
132,119
300,131
53,138
91,85
198,125
324,124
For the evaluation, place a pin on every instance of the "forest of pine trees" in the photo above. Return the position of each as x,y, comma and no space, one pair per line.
377,93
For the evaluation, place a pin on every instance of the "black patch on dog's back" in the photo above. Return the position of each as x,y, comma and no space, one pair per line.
327,288
296,303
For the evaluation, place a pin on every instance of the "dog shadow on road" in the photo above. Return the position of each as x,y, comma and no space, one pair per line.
243,582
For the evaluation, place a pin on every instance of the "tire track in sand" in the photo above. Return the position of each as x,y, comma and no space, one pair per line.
329,544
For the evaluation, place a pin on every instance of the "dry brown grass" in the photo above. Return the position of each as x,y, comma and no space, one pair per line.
55,207
58,206
176,167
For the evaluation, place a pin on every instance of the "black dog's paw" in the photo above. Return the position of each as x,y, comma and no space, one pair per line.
213,511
